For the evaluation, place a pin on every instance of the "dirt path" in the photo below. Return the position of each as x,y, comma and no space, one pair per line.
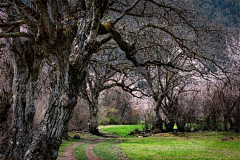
68,154
89,151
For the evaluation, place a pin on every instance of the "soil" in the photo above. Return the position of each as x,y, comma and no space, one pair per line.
68,154
89,151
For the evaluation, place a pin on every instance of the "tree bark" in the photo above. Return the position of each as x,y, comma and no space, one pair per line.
63,98
93,123
68,73
5,109
4,125
69,65
26,69
158,120
225,122
214,122
91,91
181,125
169,125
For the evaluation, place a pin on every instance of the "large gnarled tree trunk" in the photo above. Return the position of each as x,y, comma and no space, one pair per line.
67,36
26,64
63,98
69,72
5,101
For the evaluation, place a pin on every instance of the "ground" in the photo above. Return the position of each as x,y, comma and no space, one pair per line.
192,145
68,153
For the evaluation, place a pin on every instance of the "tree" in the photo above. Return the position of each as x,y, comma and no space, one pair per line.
78,121
188,110
116,107
6,74
227,101
26,68
102,75
166,84
98,79
66,34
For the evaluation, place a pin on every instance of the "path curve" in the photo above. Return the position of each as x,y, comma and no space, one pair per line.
89,151
68,153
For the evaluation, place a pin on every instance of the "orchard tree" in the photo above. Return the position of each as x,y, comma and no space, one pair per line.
67,34
166,84
116,107
228,99
188,109
104,73
98,79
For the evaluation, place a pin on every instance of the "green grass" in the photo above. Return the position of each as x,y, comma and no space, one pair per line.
80,153
182,146
65,144
68,142
84,136
194,145
120,130
108,150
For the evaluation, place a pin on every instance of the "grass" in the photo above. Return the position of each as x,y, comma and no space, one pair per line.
194,145
182,146
80,153
65,144
108,150
84,135
68,142
120,130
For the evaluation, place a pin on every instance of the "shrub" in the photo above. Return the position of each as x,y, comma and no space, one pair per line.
109,120
104,121
114,120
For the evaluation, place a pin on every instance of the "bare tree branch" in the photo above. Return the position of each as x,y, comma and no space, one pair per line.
16,34
9,24
5,4
124,13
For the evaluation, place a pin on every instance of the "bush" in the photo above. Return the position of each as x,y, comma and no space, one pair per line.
104,121
114,120
110,120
